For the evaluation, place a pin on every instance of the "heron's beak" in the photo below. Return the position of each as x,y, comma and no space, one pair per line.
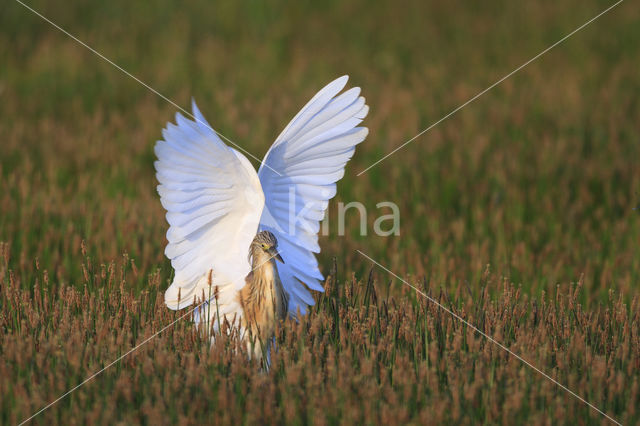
274,253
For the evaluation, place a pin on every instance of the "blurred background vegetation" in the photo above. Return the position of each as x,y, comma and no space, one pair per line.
533,185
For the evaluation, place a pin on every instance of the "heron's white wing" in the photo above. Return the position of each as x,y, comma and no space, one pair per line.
214,201
309,157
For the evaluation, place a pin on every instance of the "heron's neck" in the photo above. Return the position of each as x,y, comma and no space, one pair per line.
263,268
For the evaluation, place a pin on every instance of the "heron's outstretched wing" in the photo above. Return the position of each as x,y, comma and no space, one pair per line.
309,157
214,200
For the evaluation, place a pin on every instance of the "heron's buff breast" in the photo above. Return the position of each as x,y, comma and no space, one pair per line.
263,299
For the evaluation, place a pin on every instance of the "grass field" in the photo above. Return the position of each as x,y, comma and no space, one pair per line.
517,212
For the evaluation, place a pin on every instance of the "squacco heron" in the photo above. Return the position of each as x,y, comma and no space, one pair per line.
226,218
263,299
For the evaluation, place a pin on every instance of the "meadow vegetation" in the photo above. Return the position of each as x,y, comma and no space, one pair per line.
517,213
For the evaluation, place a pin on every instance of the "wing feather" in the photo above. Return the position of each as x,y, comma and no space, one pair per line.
309,156
214,201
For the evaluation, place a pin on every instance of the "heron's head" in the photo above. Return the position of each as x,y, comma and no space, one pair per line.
267,242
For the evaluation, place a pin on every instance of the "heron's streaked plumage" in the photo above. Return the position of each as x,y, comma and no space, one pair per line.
263,299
